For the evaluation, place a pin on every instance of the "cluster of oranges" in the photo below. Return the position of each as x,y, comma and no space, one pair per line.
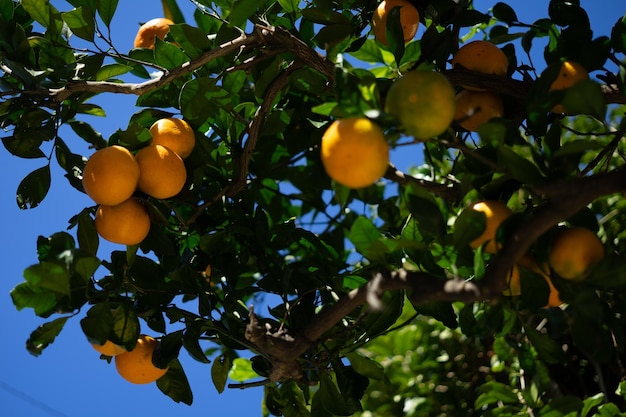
355,153
573,251
113,174
135,366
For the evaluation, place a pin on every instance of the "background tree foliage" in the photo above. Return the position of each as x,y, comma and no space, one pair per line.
375,303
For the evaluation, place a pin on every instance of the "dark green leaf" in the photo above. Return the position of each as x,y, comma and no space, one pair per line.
42,300
175,385
50,276
468,226
126,326
325,17
331,398
44,335
548,349
98,324
520,168
106,72
561,406
87,235
585,97
366,366
220,370
495,392
241,10
618,35
81,22
439,310
33,188
504,13
106,10
24,147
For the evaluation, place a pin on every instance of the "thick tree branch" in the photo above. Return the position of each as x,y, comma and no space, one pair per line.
563,200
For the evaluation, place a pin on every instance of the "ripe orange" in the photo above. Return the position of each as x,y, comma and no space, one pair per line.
110,175
127,223
570,74
162,172
423,102
354,152
136,366
158,27
496,212
175,134
409,20
473,108
554,300
482,56
109,348
574,251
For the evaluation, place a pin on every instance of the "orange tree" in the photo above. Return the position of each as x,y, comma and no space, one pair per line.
373,298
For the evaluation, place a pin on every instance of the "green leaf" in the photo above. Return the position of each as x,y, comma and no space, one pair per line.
585,97
325,17
175,385
330,396
439,310
242,370
87,235
106,72
219,371
521,169
591,403
44,335
241,10
495,392
290,6
504,13
366,366
548,350
126,326
33,188
81,22
561,406
106,10
168,349
39,299
50,276
618,35
468,226
363,234
98,324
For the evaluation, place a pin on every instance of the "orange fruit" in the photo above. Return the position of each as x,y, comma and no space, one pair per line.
109,348
110,175
481,56
554,300
354,152
127,223
409,20
175,134
162,172
495,212
136,366
473,108
570,74
574,251
158,27
423,102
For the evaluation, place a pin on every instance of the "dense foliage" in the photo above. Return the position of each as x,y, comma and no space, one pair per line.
373,301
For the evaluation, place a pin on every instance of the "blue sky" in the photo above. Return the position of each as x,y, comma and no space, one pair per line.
68,379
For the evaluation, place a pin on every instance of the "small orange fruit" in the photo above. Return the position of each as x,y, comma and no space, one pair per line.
554,299
110,175
158,27
570,74
127,223
409,20
162,172
574,251
496,212
136,366
473,108
109,348
175,134
354,152
423,102
481,56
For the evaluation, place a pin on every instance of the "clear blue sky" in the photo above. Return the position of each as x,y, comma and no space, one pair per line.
68,379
